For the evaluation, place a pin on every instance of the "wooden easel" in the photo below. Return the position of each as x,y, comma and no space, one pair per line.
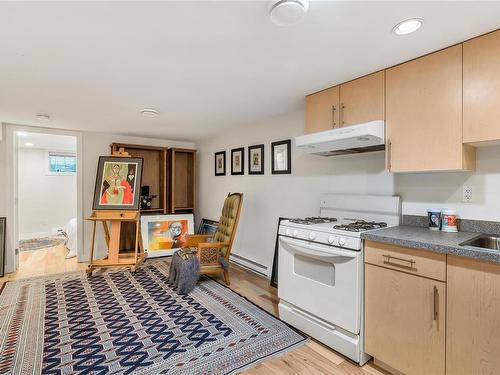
117,257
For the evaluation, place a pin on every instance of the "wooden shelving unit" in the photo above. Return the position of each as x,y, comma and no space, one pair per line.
181,180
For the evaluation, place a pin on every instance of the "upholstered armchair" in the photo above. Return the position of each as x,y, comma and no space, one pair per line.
213,251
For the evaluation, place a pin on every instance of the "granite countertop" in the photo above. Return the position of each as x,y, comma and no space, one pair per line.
435,241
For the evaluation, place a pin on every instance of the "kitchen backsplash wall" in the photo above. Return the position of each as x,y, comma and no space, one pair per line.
268,196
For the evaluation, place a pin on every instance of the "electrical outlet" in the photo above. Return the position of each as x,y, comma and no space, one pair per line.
467,194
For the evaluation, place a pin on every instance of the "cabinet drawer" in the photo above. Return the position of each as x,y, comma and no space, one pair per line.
416,262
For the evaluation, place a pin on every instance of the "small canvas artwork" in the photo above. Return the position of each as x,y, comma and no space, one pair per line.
3,221
207,226
118,183
281,161
237,161
220,163
256,159
164,234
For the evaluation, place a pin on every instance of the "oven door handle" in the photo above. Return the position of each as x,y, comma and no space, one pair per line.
310,249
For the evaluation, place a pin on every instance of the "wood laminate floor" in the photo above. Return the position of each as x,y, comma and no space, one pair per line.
312,358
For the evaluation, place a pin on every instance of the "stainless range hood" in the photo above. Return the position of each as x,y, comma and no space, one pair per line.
354,139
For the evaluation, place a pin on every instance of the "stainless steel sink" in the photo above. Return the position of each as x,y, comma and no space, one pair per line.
484,241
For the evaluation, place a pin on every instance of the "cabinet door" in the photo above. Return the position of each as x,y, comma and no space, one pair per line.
482,88
405,321
322,110
424,114
362,100
473,332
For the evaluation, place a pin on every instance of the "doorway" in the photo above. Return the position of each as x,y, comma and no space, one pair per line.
46,203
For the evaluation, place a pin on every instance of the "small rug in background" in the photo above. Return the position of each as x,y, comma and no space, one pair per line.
41,243
133,323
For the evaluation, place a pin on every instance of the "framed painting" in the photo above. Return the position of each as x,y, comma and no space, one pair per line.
237,161
256,159
220,163
207,226
281,161
162,235
118,183
3,223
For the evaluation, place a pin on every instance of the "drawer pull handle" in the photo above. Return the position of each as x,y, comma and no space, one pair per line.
436,303
333,116
389,262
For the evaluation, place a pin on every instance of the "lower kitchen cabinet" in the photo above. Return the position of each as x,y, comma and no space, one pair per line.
473,331
405,321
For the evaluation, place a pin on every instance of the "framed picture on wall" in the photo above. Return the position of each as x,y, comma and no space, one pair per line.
3,222
118,183
237,161
256,159
281,161
220,163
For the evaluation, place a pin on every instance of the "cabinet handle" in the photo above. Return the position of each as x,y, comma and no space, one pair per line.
333,116
342,107
389,262
389,155
436,303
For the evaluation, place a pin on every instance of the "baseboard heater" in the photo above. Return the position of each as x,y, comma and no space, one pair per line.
250,264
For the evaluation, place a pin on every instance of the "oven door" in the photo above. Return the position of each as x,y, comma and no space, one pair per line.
322,280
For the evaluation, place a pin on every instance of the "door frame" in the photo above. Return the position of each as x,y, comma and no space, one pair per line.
12,254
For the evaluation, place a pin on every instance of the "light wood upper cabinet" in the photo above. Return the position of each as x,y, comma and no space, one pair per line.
473,318
322,110
482,88
362,99
405,321
424,114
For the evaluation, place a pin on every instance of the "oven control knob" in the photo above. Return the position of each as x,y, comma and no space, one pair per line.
295,232
287,232
312,235
341,241
331,239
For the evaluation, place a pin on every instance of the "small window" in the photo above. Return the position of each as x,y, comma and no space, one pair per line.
61,163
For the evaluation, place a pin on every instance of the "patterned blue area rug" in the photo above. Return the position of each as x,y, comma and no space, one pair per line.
123,323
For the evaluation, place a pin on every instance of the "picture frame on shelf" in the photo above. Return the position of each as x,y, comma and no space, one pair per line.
238,161
281,160
3,235
207,226
256,159
162,235
118,183
220,163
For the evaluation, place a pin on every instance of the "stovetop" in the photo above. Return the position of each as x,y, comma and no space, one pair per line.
360,226
314,220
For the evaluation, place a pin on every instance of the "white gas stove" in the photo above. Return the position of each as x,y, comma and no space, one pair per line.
320,277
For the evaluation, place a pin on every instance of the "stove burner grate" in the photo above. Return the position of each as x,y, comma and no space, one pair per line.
361,225
314,220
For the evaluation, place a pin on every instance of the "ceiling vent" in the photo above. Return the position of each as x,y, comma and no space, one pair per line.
288,12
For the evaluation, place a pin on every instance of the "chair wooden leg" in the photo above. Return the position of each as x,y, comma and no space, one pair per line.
226,277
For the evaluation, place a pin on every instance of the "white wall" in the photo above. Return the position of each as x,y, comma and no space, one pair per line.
269,196
45,201
423,190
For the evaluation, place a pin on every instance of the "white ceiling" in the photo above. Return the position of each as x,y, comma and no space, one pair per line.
205,66
51,142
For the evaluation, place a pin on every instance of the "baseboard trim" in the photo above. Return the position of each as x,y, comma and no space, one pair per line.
250,265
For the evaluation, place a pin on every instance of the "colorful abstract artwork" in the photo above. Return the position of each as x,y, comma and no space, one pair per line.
164,234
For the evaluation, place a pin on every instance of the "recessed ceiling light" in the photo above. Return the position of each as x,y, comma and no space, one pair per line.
29,144
22,134
149,112
407,26
287,12
42,117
